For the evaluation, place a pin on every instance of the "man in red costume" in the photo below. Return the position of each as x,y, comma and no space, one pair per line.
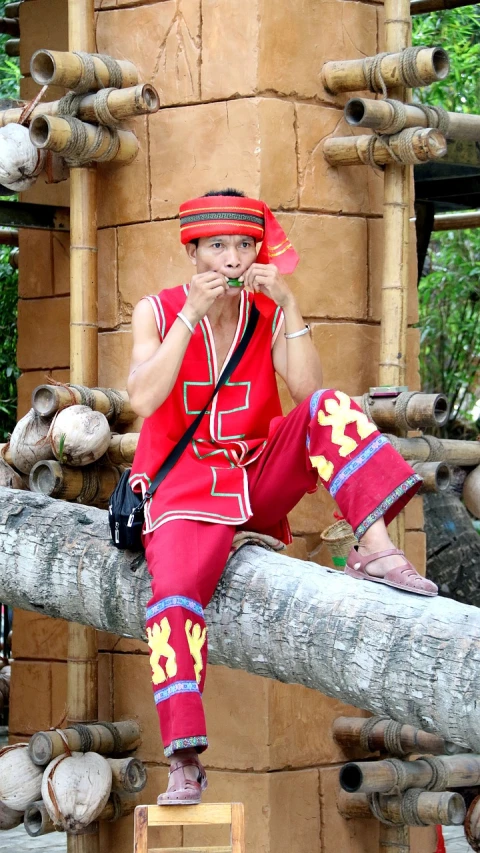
247,465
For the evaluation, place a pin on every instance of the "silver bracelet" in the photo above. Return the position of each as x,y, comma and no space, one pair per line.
304,331
186,321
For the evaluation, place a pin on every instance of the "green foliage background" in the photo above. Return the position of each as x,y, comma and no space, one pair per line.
449,295
9,88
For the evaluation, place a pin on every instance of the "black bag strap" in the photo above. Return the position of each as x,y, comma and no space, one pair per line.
177,451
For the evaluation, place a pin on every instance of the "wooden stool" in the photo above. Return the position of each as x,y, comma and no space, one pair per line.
208,813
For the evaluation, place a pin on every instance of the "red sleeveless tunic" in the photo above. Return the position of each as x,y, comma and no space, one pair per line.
209,482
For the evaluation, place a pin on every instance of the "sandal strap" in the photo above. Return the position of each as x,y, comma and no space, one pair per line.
365,559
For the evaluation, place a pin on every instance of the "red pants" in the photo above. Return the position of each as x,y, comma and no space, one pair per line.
326,436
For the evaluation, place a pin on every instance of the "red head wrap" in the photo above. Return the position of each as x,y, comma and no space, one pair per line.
223,214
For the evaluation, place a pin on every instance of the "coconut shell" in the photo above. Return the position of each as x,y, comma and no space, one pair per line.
29,442
9,818
9,478
75,789
79,435
471,492
20,778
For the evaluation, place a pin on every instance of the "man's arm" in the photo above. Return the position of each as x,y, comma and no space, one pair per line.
154,365
294,359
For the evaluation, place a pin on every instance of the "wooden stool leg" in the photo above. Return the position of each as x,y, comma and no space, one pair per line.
140,834
238,828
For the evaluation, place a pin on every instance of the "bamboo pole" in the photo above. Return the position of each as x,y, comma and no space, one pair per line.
121,103
394,839
122,448
456,221
82,667
420,7
385,777
472,824
12,10
349,732
435,475
6,455
12,47
405,411
432,808
8,237
37,821
116,738
91,484
115,405
421,145
62,68
10,26
129,775
351,75
429,449
54,133
379,115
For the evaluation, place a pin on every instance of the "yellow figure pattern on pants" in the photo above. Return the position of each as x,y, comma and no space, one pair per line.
339,416
324,468
158,642
196,640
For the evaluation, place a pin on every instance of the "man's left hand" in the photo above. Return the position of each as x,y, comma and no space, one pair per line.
265,278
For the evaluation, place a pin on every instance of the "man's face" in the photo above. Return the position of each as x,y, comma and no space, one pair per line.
230,254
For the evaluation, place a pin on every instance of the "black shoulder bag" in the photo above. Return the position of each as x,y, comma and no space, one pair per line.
126,509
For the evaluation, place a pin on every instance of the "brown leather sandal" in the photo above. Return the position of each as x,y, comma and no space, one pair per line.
403,577
184,792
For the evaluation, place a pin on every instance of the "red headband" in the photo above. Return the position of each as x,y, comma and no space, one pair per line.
215,215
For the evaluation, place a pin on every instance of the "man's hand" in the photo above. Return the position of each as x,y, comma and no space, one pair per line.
265,278
205,288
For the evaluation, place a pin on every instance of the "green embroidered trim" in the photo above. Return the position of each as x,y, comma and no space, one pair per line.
275,319
229,384
205,384
215,494
223,451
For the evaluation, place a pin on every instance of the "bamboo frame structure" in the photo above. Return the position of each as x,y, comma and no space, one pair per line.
82,667
407,411
10,26
379,115
428,449
388,777
456,221
445,807
351,75
115,405
422,145
91,484
65,68
38,822
121,103
106,740
348,732
54,133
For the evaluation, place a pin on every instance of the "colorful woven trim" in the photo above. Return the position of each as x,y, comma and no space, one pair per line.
380,511
207,217
199,743
358,462
174,601
174,689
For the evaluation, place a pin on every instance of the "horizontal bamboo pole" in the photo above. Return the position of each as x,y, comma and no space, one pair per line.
62,68
386,777
351,75
12,47
450,450
348,732
421,7
38,822
129,775
13,258
8,237
44,746
12,10
115,405
407,411
456,221
91,485
122,448
122,104
435,475
10,26
426,144
432,808
379,115
55,134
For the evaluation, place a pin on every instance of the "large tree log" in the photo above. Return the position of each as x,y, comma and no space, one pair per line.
413,658
453,548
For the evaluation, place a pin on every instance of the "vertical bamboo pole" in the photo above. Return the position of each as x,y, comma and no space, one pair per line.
394,839
82,690
396,208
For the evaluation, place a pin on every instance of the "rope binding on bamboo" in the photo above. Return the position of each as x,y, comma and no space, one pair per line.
89,79
409,808
374,803
439,780
409,75
70,104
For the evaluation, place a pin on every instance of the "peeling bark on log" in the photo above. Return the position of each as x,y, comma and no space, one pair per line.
453,548
411,657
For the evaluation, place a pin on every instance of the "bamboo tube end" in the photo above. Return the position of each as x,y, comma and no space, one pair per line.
135,777
351,778
42,67
40,749
440,62
354,112
44,400
36,820
441,409
46,477
40,131
151,98
455,809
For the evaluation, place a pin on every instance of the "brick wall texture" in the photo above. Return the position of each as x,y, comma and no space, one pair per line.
241,105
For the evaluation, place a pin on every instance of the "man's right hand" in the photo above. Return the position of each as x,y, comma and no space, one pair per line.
205,288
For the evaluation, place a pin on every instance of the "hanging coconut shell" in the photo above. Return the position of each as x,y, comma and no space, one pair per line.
79,435
9,478
29,442
20,160
75,789
9,818
20,778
